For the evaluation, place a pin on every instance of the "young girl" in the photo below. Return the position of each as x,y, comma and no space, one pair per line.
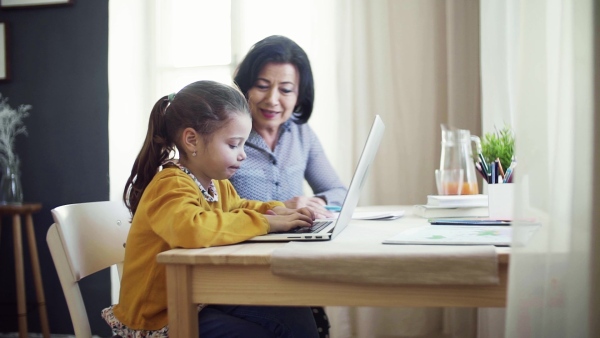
189,203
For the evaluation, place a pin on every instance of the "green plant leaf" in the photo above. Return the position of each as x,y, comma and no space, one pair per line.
500,144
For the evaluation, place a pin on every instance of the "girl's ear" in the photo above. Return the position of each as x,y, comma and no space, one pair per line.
190,140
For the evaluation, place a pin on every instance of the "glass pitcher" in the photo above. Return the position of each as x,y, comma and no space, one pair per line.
457,156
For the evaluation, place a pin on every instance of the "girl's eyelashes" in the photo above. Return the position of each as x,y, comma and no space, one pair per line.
236,145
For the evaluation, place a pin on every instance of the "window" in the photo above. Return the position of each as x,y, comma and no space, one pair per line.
193,42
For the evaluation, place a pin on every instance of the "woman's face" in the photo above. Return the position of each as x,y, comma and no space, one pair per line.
274,95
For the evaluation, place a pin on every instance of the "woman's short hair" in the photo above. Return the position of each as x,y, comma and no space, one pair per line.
279,49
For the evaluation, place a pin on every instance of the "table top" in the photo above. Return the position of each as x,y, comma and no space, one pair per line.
260,253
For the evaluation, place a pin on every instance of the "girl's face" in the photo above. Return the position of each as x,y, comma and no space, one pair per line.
220,157
274,95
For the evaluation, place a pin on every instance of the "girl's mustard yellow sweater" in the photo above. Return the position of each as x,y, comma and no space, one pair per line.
172,213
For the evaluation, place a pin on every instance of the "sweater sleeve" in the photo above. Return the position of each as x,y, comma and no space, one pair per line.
179,214
234,201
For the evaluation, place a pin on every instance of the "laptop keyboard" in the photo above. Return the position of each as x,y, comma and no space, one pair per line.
316,227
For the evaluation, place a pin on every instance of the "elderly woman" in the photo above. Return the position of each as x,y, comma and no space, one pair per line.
283,151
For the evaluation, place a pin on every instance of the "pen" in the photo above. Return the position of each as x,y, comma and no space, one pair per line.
508,178
484,165
509,175
494,173
509,171
480,170
500,170
333,208
499,178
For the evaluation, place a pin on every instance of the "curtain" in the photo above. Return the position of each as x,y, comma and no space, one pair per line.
131,77
551,275
415,63
545,84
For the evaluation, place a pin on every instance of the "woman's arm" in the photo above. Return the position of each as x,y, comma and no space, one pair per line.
320,174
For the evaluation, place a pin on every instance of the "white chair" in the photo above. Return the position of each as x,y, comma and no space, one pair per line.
84,239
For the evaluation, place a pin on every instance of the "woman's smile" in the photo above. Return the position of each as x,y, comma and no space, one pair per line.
269,114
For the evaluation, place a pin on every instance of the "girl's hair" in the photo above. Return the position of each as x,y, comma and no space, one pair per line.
205,106
279,49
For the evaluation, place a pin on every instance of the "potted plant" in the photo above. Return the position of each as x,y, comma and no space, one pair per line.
499,145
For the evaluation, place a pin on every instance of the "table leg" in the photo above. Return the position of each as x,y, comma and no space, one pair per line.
37,276
183,314
20,277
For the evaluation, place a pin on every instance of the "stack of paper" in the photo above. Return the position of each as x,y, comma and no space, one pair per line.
453,206
382,215
457,201
374,215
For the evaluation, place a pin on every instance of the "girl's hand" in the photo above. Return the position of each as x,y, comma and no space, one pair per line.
284,219
315,204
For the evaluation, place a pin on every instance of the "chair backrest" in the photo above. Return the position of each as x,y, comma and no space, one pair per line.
86,238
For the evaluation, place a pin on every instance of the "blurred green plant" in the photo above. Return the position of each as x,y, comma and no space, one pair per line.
501,145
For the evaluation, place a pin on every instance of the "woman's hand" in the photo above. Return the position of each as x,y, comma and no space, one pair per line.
284,219
315,204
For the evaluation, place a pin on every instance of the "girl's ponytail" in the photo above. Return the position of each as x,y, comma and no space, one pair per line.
156,148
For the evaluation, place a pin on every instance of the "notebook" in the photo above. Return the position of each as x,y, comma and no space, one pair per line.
498,235
327,229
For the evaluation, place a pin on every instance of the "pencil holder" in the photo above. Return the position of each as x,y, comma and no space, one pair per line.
501,201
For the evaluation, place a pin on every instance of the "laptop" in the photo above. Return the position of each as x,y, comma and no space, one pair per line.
327,229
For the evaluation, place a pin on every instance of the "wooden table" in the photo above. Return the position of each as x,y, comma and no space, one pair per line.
16,211
240,274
